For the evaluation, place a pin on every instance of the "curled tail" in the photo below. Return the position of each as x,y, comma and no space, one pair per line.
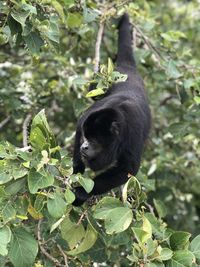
125,52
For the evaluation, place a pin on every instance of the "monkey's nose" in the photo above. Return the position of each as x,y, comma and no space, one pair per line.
84,147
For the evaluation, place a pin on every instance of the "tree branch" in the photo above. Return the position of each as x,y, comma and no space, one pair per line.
82,217
4,122
43,250
150,45
63,254
98,46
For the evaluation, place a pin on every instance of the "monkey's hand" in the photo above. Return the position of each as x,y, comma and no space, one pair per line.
78,167
81,196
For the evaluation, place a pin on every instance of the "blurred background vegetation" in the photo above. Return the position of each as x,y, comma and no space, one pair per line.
47,53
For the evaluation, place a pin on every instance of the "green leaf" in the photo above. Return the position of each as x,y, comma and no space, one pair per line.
197,99
74,20
39,180
88,241
131,188
104,206
118,220
160,208
98,252
34,42
5,236
195,246
156,224
188,83
56,224
79,106
56,205
40,119
86,183
166,254
173,36
38,137
53,32
7,151
5,175
10,169
152,247
182,258
39,202
118,77
95,92
14,187
155,264
141,235
178,129
110,66
69,3
23,248
15,27
179,240
146,226
69,196
172,71
8,212
59,9
89,15
72,232
41,134
79,81
20,16
28,7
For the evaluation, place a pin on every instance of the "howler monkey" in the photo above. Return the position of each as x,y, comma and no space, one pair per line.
110,134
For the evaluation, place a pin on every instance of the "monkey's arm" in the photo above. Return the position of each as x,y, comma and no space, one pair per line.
103,182
78,165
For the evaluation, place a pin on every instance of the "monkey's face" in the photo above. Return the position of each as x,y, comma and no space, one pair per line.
96,154
91,151
99,147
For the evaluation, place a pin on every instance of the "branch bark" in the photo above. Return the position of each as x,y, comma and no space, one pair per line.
97,47
43,250
4,122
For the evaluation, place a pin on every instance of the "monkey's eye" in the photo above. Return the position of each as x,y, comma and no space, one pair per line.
93,142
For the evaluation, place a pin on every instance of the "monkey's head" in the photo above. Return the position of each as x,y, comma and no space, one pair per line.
101,139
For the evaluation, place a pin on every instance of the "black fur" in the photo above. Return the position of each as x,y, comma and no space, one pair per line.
119,122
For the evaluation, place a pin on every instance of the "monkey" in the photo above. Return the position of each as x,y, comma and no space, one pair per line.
111,133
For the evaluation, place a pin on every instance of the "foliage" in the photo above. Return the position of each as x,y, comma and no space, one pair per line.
105,78
46,56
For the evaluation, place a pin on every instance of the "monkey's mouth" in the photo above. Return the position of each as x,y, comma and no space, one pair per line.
87,160
84,155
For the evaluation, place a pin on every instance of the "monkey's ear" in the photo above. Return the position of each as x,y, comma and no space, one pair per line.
114,128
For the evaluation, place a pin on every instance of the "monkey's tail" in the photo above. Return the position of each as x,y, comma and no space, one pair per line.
125,51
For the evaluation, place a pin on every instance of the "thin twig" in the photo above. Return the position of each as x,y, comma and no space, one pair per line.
63,254
43,250
165,100
151,209
123,3
134,38
150,45
24,149
97,47
25,131
159,56
81,217
64,180
3,123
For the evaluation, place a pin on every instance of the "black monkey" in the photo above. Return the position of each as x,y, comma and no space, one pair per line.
110,135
